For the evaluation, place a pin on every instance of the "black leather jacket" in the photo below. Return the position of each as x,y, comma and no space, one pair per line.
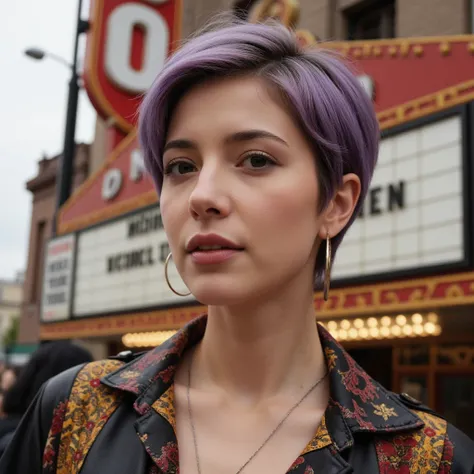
117,417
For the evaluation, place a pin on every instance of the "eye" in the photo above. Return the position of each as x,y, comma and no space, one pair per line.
257,161
179,167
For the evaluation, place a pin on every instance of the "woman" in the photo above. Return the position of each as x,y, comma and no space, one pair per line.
262,154
48,360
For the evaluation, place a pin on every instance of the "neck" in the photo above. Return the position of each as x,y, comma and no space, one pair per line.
266,349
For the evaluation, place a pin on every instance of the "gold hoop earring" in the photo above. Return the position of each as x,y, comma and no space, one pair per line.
168,258
327,273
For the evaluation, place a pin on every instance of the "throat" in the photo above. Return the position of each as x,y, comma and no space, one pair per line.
254,363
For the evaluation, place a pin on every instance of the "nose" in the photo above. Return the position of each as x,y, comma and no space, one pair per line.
209,198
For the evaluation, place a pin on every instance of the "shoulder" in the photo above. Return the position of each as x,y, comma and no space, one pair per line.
57,389
85,377
438,441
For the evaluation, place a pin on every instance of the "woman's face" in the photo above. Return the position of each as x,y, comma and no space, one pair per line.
238,168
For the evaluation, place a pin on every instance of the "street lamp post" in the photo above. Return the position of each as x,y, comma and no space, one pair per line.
66,163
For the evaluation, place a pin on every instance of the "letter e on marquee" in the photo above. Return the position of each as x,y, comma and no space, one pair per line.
127,45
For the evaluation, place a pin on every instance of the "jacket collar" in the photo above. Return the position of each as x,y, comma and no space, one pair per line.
357,402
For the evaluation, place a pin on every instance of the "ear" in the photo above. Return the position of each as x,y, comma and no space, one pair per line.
341,207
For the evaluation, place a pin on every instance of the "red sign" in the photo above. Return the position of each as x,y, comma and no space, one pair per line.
127,45
414,77
120,186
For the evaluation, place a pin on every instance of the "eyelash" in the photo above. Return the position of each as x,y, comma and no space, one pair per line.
251,154
170,166
271,162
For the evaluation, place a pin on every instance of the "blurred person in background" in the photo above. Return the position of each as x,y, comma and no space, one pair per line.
8,377
49,360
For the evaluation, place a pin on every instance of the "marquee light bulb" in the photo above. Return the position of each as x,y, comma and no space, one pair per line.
372,322
353,333
332,325
430,328
342,334
417,318
401,320
396,330
407,330
345,324
418,329
432,318
386,321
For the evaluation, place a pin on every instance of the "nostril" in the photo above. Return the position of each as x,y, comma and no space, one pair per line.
213,210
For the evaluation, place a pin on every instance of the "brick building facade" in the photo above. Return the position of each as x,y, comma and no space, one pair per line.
43,190
332,20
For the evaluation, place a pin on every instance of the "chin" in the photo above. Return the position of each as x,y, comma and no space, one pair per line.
219,294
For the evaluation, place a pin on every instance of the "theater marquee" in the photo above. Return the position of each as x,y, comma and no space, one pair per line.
414,214
57,280
120,266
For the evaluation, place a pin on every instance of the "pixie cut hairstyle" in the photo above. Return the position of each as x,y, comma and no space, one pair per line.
319,90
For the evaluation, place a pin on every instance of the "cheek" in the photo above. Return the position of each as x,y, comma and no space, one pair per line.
170,218
289,219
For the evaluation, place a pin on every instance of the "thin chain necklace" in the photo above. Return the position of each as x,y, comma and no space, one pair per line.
193,428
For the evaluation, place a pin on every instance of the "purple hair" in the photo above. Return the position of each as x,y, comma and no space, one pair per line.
325,97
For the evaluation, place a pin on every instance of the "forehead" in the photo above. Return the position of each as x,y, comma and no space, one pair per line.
227,104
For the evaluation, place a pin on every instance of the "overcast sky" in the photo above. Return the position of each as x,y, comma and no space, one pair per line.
32,111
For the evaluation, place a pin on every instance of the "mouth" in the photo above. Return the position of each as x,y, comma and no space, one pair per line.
212,249
211,243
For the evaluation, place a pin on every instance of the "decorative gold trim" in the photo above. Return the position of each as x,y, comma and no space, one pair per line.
418,50
445,48
427,105
424,293
399,47
377,51
392,50
397,42
115,210
287,13
405,48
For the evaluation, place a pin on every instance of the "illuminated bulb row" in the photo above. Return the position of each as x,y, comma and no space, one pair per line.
146,339
386,327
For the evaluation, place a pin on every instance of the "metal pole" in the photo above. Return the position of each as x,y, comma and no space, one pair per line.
66,161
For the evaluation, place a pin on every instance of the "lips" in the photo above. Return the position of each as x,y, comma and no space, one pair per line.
210,243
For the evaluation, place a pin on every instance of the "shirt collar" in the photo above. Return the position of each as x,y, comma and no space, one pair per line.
357,402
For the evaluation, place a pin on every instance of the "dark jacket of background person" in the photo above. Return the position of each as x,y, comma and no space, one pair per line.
49,360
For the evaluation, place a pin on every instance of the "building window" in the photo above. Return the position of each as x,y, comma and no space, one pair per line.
371,20
37,273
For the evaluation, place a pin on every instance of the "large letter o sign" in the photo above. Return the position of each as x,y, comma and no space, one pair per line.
118,47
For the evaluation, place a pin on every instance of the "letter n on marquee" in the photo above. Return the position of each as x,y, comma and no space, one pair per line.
127,45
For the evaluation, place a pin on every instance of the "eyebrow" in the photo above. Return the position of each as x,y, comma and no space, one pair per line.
243,136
